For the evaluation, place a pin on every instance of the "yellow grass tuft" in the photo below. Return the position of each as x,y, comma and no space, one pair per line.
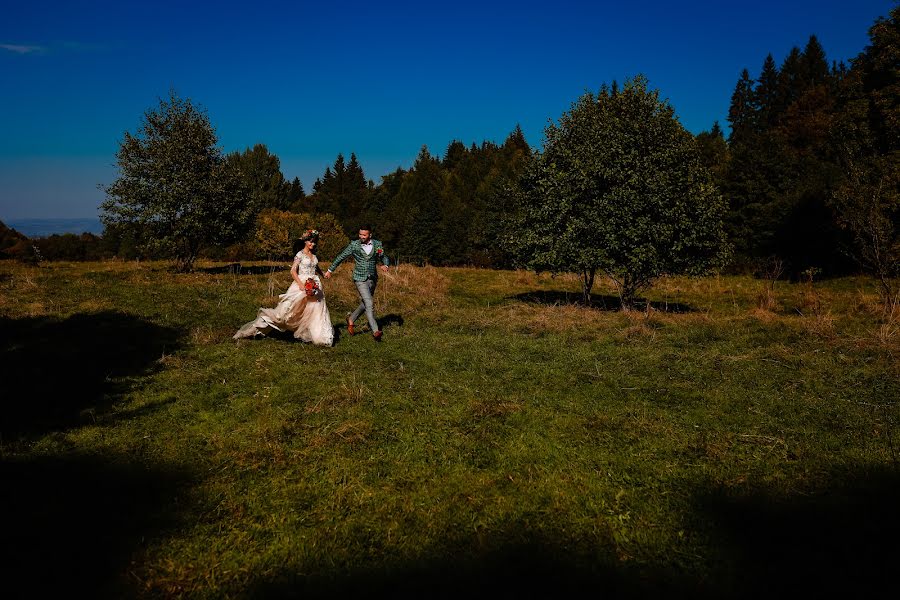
886,333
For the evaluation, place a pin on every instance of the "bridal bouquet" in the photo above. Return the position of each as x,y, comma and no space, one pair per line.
312,289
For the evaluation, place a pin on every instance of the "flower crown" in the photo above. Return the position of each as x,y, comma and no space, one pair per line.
310,234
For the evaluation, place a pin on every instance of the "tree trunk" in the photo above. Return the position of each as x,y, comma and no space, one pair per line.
627,291
587,283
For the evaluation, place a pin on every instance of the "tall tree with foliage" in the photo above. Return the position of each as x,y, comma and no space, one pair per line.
342,191
620,189
296,195
260,171
418,206
867,136
742,112
174,185
713,151
781,168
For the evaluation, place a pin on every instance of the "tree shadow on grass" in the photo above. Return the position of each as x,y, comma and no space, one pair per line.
600,302
513,563
840,539
61,373
72,525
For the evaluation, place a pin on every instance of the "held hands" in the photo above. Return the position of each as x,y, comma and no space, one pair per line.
384,268
327,274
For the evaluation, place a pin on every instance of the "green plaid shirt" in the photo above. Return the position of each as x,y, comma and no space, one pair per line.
365,267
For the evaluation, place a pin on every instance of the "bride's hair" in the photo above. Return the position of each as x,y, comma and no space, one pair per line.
311,235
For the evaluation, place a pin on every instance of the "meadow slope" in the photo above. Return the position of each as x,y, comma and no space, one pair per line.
501,439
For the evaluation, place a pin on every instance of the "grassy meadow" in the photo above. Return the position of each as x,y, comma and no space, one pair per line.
500,440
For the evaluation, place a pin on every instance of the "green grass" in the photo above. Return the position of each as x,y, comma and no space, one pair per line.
498,440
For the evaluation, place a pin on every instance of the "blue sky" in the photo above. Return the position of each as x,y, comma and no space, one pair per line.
311,80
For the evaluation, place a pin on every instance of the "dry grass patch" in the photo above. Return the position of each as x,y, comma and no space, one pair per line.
94,305
531,319
821,324
405,290
887,333
206,335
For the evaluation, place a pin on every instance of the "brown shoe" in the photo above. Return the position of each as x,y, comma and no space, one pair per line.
349,326
377,335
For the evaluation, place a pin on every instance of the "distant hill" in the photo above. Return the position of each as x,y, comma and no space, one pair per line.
46,227
12,243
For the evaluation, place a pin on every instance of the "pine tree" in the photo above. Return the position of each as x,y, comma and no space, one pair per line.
713,151
354,196
790,78
418,204
260,171
454,155
515,141
296,197
814,65
742,113
766,94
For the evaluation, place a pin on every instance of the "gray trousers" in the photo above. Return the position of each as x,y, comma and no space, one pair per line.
366,290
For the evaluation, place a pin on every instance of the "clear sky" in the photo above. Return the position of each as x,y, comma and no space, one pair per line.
312,79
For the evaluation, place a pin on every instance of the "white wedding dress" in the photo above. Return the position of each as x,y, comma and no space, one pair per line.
307,318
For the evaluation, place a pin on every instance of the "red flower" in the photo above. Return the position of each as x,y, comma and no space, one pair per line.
311,287
380,251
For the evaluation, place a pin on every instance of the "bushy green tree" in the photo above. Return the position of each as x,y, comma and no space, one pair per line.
174,185
276,232
619,188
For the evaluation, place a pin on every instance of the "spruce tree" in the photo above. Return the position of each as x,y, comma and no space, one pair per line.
814,65
790,79
766,94
418,204
742,112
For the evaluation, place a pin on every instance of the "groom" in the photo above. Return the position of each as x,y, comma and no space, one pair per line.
367,252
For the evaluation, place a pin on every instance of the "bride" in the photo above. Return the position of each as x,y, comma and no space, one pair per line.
301,309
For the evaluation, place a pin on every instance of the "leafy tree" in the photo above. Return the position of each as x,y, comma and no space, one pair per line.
276,231
619,188
174,184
